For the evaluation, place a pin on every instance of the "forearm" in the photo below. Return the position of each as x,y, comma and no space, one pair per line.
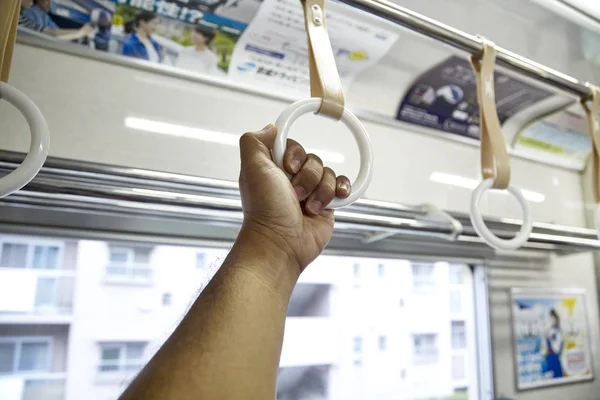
228,345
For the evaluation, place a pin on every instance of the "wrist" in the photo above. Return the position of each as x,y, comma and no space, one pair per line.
262,253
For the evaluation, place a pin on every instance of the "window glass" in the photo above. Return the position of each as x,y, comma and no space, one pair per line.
357,345
425,348
14,255
33,357
45,257
382,342
200,260
459,340
118,255
141,255
135,351
423,275
7,357
455,301
346,325
44,295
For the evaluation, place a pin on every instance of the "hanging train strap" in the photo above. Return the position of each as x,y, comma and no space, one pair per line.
40,137
324,79
593,116
495,166
9,19
494,156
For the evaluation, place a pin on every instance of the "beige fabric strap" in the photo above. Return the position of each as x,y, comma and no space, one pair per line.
494,156
324,79
593,116
9,19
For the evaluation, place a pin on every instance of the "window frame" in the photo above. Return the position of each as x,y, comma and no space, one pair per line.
18,341
31,244
122,362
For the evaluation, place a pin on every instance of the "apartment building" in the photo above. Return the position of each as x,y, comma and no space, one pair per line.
79,318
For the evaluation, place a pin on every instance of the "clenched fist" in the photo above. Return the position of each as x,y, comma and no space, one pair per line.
291,215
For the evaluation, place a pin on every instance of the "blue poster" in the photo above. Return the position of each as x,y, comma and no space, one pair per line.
445,98
551,337
194,35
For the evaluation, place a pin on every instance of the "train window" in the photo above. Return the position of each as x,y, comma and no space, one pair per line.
101,306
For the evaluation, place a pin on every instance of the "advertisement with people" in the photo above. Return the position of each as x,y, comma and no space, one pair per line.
195,35
266,41
445,98
551,336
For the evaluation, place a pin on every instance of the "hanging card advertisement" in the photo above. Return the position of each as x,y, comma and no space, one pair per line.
551,337
273,52
445,98
265,41
561,138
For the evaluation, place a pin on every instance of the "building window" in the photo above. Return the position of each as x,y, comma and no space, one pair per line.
121,357
357,270
129,265
459,339
200,260
357,344
358,363
401,302
459,371
382,342
423,275
24,354
456,274
425,348
381,270
455,301
167,298
26,255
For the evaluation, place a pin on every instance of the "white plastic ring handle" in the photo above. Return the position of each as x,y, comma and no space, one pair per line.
40,141
482,230
312,105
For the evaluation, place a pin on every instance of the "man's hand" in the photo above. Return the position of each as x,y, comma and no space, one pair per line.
291,215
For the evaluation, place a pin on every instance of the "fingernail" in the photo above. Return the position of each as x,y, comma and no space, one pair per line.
299,191
315,207
295,166
344,186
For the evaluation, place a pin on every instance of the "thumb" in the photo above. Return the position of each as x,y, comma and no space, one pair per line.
256,146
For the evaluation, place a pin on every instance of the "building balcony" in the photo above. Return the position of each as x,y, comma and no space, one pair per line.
128,273
36,295
33,386
309,341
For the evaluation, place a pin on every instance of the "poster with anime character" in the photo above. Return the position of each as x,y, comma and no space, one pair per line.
551,337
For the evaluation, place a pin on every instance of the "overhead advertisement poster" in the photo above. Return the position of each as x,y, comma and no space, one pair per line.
265,41
273,52
445,98
561,138
196,35
551,337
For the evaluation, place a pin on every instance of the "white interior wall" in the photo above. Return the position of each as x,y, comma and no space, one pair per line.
86,102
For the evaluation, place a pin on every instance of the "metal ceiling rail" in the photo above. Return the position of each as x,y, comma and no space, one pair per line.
87,188
469,43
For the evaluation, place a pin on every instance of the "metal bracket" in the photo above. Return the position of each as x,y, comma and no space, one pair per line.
432,213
